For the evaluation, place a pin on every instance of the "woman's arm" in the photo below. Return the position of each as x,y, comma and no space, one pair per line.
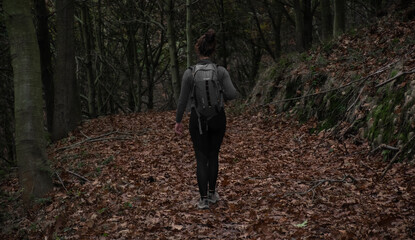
229,90
184,94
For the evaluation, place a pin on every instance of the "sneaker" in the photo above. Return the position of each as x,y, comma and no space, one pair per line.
213,197
203,203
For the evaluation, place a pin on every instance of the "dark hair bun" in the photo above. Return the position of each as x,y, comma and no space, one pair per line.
206,44
210,36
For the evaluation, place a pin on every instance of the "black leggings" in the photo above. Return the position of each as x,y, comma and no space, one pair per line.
206,147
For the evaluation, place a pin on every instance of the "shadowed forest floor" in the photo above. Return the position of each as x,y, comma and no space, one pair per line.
131,177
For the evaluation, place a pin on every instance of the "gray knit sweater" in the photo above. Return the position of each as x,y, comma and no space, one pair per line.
187,84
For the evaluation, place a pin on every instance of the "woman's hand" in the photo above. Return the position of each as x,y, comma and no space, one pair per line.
178,128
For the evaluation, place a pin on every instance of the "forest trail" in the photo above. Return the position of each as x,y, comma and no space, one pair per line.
131,177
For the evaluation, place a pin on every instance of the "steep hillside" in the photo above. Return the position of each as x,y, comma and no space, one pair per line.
360,85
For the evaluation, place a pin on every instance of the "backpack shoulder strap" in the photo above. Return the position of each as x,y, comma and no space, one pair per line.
192,69
193,72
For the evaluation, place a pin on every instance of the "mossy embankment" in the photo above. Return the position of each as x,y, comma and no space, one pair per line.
361,85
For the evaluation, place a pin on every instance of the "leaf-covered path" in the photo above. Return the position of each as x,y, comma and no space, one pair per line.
131,177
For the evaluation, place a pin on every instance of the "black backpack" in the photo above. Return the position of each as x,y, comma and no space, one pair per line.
207,91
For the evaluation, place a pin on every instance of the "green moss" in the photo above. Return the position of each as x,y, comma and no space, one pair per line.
304,112
322,61
108,160
329,46
352,32
277,69
305,57
291,91
357,125
387,154
2,174
274,76
284,62
404,128
383,118
318,80
383,115
43,201
333,109
271,94
355,57
393,73
292,87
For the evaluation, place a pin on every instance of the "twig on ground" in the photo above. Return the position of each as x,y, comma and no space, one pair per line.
393,160
348,129
320,182
109,138
85,134
395,77
76,174
83,141
384,146
60,180
298,139
366,166
96,139
357,99
345,148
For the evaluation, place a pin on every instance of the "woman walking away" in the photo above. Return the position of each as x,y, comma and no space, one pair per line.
205,86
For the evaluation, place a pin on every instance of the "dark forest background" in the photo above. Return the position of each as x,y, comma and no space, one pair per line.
321,135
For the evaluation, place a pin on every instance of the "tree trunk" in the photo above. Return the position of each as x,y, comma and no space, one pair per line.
299,26
87,40
339,17
376,6
34,172
189,38
98,64
147,64
308,24
261,33
131,52
131,56
67,113
43,37
256,55
223,28
174,63
326,26
403,4
139,86
276,19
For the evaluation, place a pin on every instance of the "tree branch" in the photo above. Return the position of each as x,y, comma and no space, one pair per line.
60,180
393,160
322,181
77,175
395,77
96,139
384,146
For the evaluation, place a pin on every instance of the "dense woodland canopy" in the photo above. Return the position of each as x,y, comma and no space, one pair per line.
67,60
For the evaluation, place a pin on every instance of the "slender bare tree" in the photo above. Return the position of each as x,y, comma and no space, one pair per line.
339,17
67,113
326,21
